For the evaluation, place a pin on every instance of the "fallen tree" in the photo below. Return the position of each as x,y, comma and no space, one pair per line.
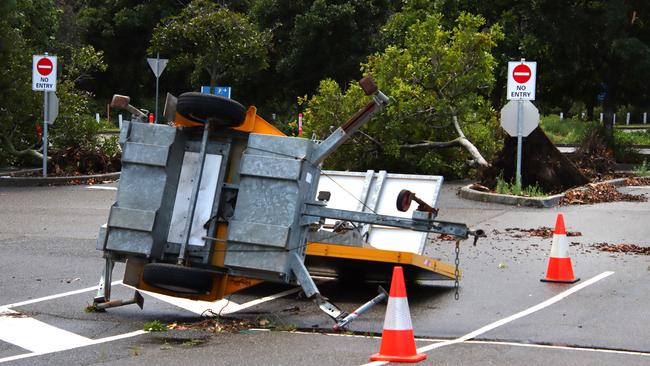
29,155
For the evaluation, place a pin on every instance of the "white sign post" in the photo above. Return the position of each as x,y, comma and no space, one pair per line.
521,87
44,79
157,66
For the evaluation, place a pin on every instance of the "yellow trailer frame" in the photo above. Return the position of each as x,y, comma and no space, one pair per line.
322,259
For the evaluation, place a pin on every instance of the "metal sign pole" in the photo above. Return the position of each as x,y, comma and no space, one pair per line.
520,118
157,79
45,95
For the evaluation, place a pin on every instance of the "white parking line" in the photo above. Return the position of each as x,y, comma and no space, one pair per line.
509,319
52,297
496,343
102,188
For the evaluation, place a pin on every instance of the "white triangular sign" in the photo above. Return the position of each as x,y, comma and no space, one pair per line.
157,65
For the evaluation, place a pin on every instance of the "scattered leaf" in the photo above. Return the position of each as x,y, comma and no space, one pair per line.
622,248
598,193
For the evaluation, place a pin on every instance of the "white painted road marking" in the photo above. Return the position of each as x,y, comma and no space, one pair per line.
496,343
52,297
36,336
102,188
92,342
41,338
509,319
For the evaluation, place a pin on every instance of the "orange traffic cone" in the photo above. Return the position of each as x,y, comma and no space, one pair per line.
559,265
397,340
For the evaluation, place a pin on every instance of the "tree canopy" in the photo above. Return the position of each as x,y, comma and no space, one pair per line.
592,56
213,40
437,76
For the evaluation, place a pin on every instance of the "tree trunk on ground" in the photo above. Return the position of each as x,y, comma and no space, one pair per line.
542,164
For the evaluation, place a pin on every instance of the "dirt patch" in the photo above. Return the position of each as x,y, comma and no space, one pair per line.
598,193
622,248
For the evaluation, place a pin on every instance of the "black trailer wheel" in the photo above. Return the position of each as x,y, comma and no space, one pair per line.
183,280
403,200
199,107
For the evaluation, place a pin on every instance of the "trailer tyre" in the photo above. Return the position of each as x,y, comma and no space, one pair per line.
199,107
175,278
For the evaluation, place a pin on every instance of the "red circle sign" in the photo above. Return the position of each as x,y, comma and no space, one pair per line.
521,73
44,66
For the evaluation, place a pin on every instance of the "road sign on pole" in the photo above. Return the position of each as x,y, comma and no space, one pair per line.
44,79
521,80
52,107
222,91
530,118
157,66
521,88
43,73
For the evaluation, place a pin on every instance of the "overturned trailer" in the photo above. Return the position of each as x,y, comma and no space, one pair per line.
220,200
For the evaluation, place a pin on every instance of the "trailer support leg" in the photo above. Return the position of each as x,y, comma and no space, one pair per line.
104,291
311,291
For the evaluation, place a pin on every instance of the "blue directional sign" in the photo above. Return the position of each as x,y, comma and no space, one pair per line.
222,91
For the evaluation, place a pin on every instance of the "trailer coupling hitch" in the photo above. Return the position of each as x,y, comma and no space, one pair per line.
478,233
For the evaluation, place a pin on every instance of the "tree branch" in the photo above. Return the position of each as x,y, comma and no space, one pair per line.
11,149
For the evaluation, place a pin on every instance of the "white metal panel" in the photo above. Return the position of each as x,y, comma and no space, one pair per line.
347,187
190,172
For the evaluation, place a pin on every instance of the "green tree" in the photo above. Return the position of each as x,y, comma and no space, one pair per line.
213,40
314,40
25,29
21,108
440,79
122,30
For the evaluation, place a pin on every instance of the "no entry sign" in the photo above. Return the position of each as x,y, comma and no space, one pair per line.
521,80
521,73
44,73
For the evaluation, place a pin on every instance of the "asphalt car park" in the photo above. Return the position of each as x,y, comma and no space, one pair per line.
504,314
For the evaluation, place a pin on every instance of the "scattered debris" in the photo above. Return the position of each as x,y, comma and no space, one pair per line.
544,232
622,248
446,237
12,314
214,325
598,193
193,342
637,181
91,309
155,326
479,187
136,350
264,323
